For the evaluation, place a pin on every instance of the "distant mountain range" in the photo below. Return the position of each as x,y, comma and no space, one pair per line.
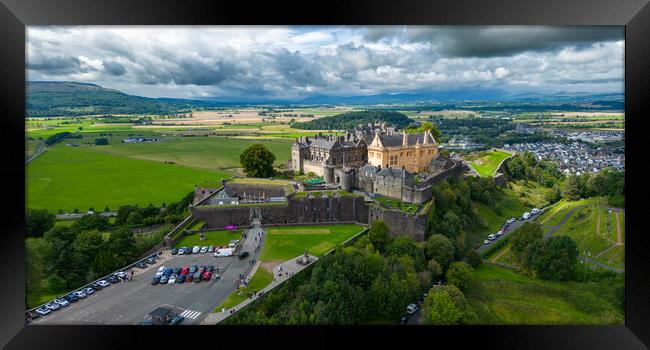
45,99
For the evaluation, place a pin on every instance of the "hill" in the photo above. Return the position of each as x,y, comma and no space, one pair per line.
349,120
50,99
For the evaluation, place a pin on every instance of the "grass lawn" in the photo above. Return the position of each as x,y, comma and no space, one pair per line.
502,296
213,153
614,257
405,207
218,238
581,226
287,242
486,163
261,279
82,177
196,226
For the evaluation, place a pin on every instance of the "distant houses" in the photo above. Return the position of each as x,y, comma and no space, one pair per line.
140,139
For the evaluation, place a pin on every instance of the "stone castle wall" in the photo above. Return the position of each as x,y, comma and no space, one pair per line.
399,222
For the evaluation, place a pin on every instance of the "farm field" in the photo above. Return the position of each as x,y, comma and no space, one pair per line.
210,153
502,296
287,242
81,177
218,238
486,163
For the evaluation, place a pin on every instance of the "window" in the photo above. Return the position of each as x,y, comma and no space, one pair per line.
392,160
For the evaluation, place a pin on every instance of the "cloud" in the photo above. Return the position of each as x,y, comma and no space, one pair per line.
297,62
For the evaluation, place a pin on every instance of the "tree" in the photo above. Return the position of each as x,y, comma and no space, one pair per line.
257,161
378,235
38,222
474,259
122,244
528,234
134,218
434,268
441,249
459,274
571,188
443,306
553,258
107,209
101,141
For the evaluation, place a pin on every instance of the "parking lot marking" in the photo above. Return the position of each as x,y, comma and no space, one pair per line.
190,314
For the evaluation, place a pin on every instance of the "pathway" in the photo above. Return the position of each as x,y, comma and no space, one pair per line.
500,255
552,229
41,148
619,240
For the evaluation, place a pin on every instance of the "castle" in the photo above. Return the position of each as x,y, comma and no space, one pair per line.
375,159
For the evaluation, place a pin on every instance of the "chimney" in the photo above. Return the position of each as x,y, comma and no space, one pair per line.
405,141
426,137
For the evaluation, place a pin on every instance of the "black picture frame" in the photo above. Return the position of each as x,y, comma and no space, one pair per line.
16,14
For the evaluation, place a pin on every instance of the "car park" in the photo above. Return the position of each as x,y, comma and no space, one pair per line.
160,271
62,302
42,311
487,241
172,279
164,279
88,290
176,320
174,251
80,294
210,249
53,306
103,283
197,277
155,280
411,309
204,250
180,279
243,255
196,249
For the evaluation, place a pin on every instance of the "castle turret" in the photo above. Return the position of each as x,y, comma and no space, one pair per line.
328,174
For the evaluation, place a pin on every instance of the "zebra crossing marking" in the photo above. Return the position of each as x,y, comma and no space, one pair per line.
190,314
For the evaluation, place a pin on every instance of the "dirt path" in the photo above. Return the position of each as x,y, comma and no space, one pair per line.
494,260
552,229
598,223
618,229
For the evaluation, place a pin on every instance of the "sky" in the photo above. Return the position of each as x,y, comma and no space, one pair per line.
293,63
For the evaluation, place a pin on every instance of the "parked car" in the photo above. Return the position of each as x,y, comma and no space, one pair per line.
207,275
172,279
196,249
189,277
243,255
120,274
204,250
168,272
62,302
30,315
42,311
411,309
174,251
210,268
53,306
223,252
164,279
177,271
193,269
197,277
160,271
201,270
526,216
492,237
487,241
499,233
535,211
155,280
113,279
88,290
80,294
71,298
176,320
185,270
96,286
181,251
150,260
233,243
180,279
103,283
141,265
210,249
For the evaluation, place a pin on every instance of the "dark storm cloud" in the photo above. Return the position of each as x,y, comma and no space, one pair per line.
56,64
498,41
114,68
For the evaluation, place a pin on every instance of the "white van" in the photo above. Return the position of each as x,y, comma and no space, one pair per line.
526,215
233,243
224,252
492,237
196,249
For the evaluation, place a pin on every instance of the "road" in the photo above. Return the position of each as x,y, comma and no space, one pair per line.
130,302
515,225
41,148
71,216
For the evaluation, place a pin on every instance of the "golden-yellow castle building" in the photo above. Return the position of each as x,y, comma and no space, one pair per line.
413,152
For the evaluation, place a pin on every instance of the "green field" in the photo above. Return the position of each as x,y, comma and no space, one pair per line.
486,163
502,296
287,242
261,279
81,177
581,226
212,153
217,238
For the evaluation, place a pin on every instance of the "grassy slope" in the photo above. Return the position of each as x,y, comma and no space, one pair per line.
495,216
200,152
80,177
486,163
581,226
261,279
284,243
218,238
501,296
531,192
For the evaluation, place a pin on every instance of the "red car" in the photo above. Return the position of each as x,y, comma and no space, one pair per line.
207,275
185,270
